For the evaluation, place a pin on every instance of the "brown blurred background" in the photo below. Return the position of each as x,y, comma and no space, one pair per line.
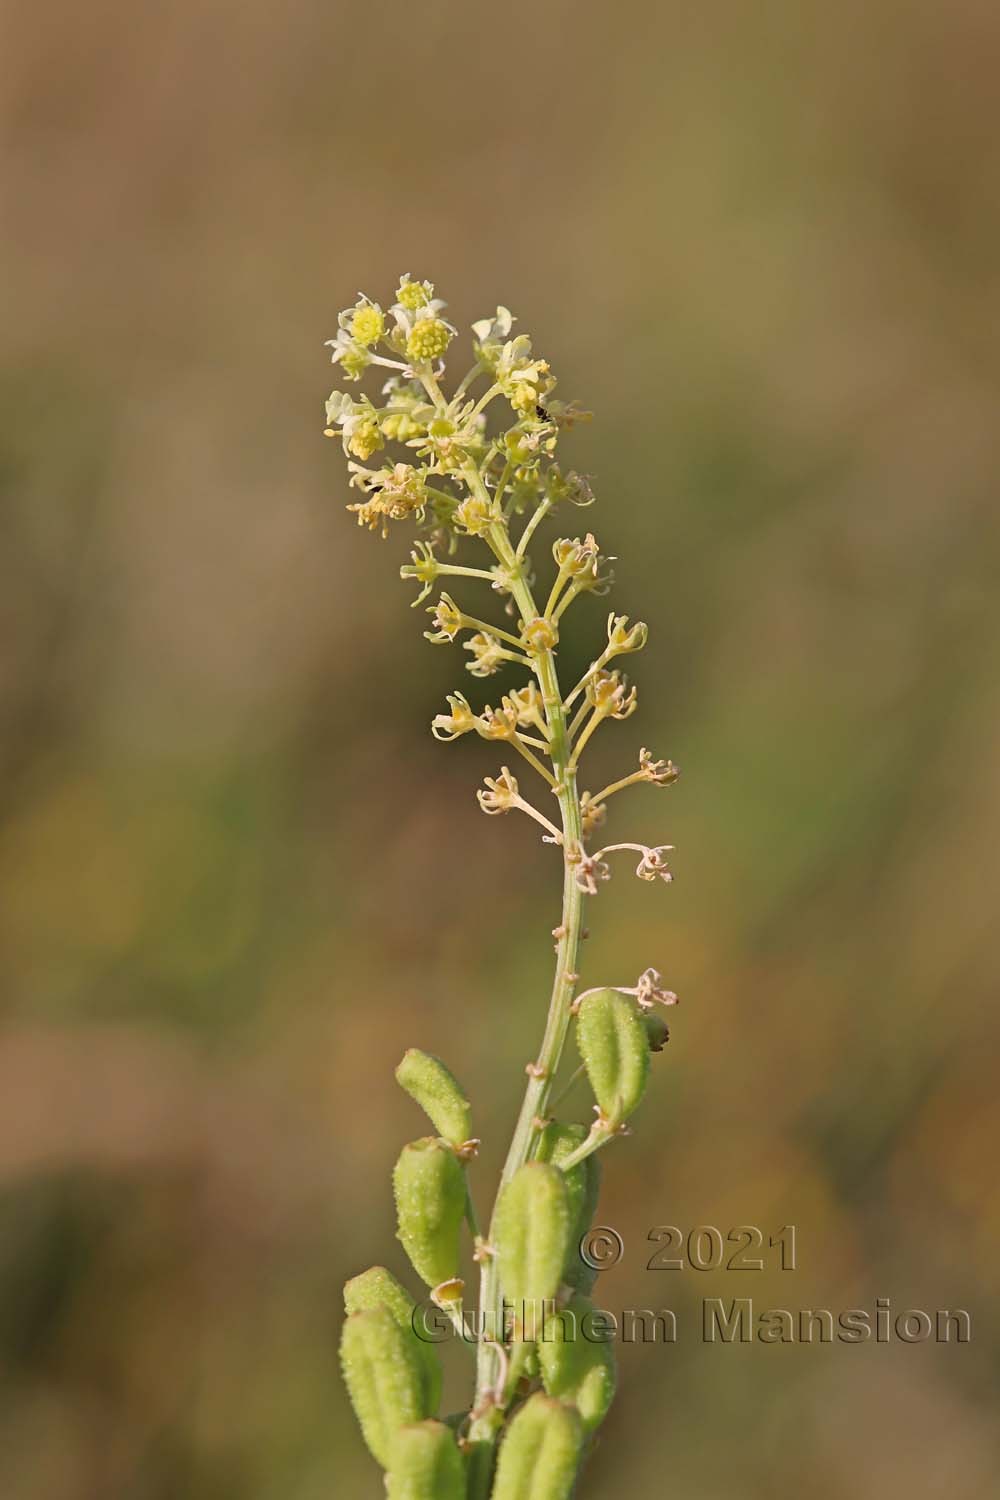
236,875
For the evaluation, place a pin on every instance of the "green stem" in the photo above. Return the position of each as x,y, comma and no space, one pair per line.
596,1141
487,1419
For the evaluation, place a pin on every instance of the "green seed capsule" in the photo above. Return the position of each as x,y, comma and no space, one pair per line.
532,1233
582,1186
430,1204
378,1287
615,1050
575,1366
577,1272
384,1377
541,1452
426,1464
428,1081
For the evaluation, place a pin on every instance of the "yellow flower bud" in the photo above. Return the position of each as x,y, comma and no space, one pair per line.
428,339
367,324
413,294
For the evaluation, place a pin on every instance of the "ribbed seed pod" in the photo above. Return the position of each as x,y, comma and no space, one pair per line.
582,1187
377,1287
541,1452
429,1185
426,1464
532,1233
385,1378
576,1367
434,1088
615,1050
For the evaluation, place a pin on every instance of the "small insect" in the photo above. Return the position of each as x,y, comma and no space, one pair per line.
541,414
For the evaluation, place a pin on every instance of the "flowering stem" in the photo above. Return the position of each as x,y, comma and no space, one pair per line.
487,1416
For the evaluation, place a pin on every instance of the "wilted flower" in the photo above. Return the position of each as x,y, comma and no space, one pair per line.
448,620
393,494
623,638
659,772
539,635
498,723
610,695
592,814
488,654
459,721
649,991
653,865
473,515
501,794
578,559
527,704
590,869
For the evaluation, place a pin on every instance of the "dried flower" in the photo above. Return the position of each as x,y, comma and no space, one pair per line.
659,772
448,621
487,652
501,794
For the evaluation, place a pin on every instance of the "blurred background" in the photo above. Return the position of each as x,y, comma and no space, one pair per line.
237,877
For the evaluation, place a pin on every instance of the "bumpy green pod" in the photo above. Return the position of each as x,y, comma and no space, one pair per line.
434,1088
615,1050
541,1452
377,1287
532,1233
430,1204
385,1379
577,1367
426,1464
582,1187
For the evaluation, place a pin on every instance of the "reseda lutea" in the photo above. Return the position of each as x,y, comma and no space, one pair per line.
475,472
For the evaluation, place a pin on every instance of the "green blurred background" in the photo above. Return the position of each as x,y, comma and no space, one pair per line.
236,875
